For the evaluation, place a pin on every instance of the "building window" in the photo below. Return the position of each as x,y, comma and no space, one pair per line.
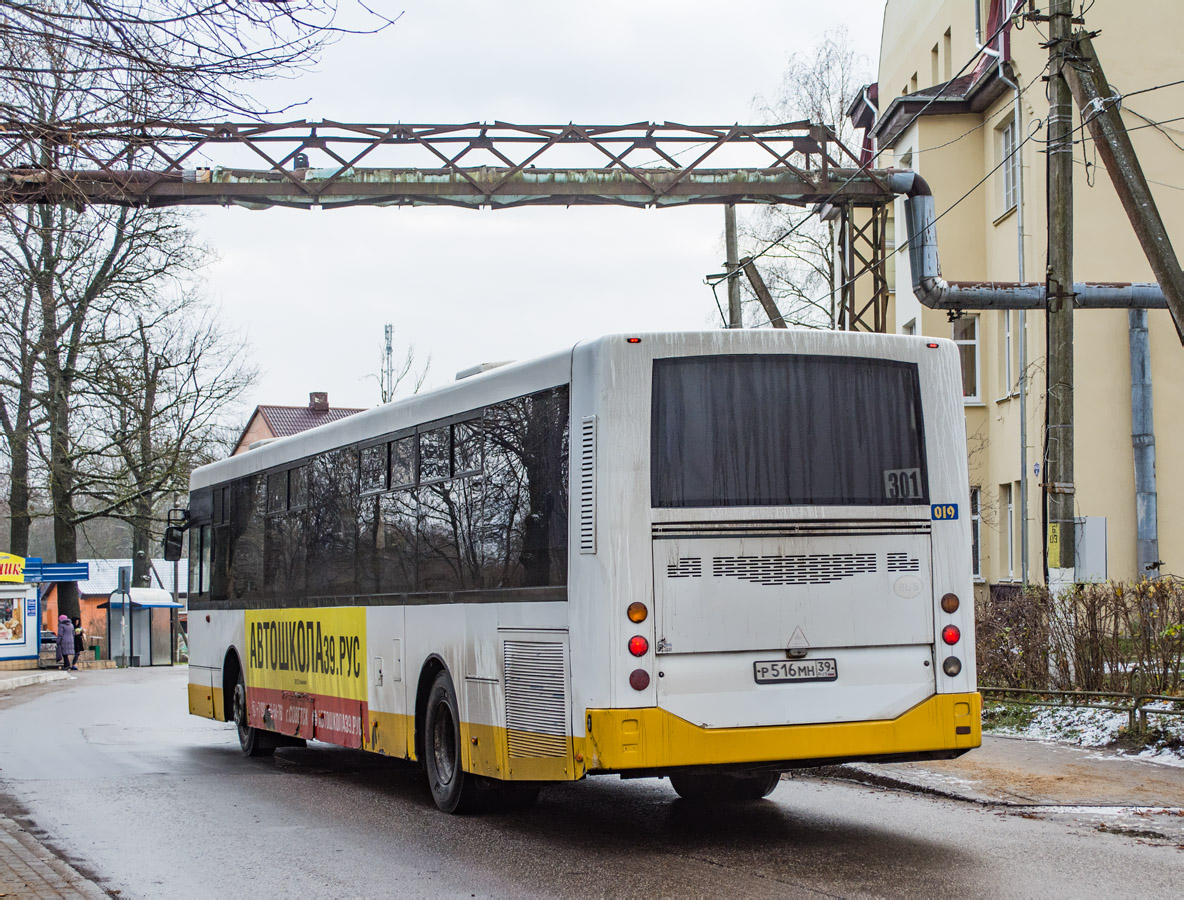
965,334
1009,160
1007,505
976,566
1008,369
947,43
910,327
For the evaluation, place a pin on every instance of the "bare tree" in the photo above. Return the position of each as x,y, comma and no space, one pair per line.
19,371
163,379
203,53
796,247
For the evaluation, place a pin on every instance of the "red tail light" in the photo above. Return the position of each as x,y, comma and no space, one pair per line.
950,634
638,645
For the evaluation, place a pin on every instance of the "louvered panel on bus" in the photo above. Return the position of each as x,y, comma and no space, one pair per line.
536,699
588,484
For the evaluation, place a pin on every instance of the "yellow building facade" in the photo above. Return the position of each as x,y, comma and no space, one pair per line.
991,227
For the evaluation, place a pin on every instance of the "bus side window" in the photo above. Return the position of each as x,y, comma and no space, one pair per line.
204,568
524,526
194,561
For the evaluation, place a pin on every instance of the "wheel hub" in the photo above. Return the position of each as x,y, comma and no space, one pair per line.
444,743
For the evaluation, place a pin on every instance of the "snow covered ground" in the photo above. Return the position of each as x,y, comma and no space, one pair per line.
1089,728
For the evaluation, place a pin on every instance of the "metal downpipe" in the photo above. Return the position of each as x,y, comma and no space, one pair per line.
1143,441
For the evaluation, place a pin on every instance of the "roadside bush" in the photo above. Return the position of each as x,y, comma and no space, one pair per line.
1098,637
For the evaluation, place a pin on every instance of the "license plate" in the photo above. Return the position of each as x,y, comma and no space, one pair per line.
777,671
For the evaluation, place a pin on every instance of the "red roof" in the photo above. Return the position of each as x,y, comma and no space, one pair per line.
283,421
286,420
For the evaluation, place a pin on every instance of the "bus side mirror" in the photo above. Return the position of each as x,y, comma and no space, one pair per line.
173,538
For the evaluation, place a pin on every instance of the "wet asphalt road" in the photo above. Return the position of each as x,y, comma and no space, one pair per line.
155,803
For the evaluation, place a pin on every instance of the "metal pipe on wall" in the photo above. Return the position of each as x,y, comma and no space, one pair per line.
1143,441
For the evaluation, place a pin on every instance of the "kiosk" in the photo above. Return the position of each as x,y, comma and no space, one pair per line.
20,633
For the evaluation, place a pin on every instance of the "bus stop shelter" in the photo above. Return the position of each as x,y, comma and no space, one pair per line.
139,629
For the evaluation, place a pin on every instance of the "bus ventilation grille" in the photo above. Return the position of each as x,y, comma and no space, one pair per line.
588,484
818,568
686,567
536,699
902,562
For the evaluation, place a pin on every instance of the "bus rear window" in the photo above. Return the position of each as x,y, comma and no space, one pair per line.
747,430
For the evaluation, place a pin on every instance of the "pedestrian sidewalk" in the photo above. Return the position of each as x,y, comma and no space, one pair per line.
1016,772
29,869
16,678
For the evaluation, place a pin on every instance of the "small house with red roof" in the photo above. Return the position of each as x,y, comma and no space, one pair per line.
269,422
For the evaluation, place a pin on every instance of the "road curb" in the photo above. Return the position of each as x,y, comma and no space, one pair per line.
18,681
878,779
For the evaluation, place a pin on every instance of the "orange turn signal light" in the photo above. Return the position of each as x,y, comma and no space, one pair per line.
637,611
950,603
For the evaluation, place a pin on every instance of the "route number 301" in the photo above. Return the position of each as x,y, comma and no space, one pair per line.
902,484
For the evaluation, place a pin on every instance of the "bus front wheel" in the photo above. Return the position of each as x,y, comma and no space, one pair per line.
252,741
725,787
453,790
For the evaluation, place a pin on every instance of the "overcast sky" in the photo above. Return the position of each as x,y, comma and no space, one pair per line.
312,290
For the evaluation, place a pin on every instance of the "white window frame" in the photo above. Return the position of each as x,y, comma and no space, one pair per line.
974,399
976,533
1009,328
1009,159
1009,527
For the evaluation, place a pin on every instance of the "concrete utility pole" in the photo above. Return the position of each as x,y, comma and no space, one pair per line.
762,292
732,267
1058,469
1101,113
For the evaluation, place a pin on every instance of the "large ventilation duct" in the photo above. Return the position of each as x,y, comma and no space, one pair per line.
937,293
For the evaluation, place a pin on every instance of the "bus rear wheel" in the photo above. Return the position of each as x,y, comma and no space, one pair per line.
725,787
252,741
453,789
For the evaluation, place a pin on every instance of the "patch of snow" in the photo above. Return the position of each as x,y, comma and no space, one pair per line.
1086,727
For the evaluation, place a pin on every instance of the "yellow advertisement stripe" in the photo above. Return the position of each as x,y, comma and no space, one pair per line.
311,651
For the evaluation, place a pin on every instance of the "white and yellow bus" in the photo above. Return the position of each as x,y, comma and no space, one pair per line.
709,556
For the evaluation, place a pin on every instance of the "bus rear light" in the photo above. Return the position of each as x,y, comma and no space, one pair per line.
638,645
632,340
950,603
932,346
952,666
637,612
639,679
950,634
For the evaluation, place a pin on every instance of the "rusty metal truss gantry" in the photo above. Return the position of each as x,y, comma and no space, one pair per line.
498,165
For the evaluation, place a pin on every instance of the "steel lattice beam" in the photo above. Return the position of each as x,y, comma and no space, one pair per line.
495,165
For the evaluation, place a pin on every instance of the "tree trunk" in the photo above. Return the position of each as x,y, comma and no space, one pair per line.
142,545
18,493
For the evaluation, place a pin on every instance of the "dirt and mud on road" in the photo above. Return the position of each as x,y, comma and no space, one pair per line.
1111,792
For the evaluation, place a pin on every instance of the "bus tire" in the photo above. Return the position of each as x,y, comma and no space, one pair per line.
252,741
453,789
728,787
